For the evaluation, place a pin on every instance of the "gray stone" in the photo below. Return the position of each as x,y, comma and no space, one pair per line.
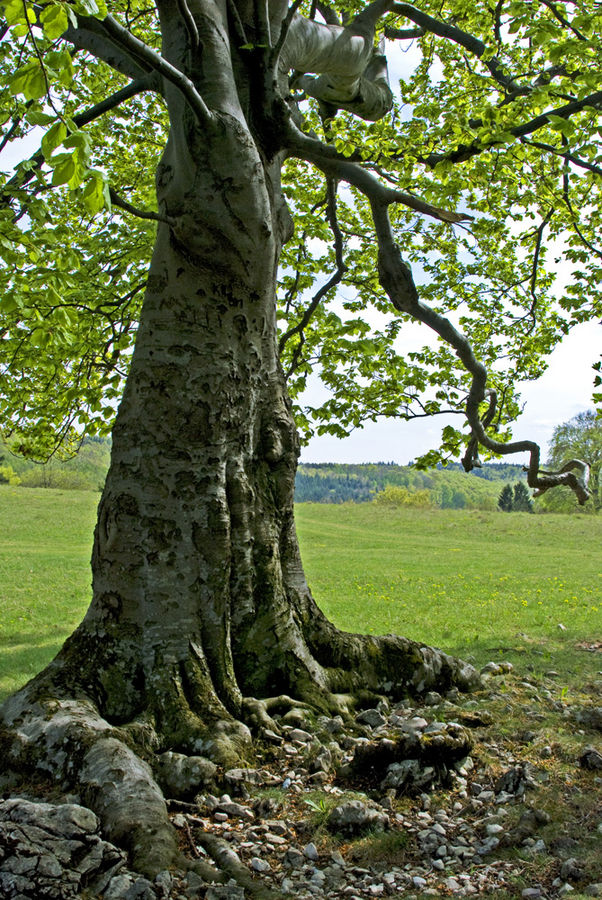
409,774
591,759
294,858
260,865
593,890
371,717
531,893
236,810
570,870
432,698
354,818
230,891
311,852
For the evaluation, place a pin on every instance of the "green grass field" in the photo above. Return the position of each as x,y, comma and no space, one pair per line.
486,585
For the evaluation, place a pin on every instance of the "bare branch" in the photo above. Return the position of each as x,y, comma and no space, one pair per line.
123,204
336,277
189,22
155,61
396,278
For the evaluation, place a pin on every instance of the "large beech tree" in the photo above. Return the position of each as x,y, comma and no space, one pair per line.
294,189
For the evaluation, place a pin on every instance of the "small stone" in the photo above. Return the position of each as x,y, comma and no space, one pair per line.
298,734
311,852
438,864
565,889
260,865
220,816
294,858
531,893
418,882
591,759
570,870
371,717
494,829
237,810
416,723
593,890
491,668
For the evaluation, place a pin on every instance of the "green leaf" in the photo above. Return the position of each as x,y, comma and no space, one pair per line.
30,81
54,21
53,138
64,168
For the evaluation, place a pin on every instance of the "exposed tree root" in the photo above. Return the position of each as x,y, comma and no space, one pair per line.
124,740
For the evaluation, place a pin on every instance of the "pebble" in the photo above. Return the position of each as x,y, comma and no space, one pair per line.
453,843
310,851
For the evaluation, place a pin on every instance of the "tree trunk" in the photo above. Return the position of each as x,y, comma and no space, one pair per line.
200,610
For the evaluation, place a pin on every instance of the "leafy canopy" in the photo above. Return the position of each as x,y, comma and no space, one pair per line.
492,149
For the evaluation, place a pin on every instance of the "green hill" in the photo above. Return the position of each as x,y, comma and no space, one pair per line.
448,488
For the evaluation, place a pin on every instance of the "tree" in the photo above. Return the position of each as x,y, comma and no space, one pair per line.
580,437
521,500
201,623
506,499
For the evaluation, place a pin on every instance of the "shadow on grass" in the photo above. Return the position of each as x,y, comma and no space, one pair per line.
21,659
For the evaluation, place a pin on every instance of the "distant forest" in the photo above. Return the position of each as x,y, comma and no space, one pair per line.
445,487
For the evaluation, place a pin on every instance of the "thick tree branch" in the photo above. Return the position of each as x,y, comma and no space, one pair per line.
466,151
455,34
339,167
396,278
138,49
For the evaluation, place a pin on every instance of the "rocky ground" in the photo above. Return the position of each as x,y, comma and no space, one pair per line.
514,811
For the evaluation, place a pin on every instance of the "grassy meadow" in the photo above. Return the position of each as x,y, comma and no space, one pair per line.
481,584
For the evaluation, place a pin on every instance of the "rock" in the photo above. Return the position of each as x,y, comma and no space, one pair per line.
432,698
416,723
298,734
516,780
591,759
239,776
354,818
593,890
371,717
570,870
491,668
565,889
54,850
409,775
181,776
294,859
260,865
230,891
235,810
310,851
531,893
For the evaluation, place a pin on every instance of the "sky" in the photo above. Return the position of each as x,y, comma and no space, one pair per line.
564,390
